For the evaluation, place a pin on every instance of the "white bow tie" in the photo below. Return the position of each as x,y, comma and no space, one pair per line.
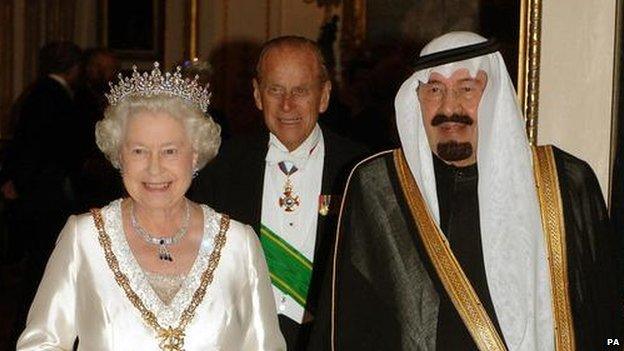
276,155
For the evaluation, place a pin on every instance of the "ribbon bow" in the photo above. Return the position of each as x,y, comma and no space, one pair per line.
171,339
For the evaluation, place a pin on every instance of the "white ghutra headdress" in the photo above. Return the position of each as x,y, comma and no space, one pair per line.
155,83
512,240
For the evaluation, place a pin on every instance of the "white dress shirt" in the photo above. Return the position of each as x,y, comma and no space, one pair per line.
298,227
63,83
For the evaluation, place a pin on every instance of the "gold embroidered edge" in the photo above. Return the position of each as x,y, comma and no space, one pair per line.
453,278
549,196
165,334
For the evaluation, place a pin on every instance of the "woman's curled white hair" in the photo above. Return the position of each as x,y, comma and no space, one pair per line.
203,132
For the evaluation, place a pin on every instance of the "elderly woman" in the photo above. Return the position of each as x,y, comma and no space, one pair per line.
154,269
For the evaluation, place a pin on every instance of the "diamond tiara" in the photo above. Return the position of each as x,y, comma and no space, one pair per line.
155,83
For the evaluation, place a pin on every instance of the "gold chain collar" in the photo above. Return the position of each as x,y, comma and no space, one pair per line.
170,339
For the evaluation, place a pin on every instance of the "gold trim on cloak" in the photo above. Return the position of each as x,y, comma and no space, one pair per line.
170,338
549,194
449,271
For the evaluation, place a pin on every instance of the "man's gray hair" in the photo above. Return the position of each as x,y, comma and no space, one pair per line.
292,41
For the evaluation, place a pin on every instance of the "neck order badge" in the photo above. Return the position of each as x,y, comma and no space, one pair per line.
289,201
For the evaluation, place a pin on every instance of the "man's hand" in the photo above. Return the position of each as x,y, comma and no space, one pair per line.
8,190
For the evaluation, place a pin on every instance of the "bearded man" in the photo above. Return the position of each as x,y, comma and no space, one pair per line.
466,238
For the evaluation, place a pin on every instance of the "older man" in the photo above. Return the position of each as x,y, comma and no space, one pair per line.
284,180
43,156
454,243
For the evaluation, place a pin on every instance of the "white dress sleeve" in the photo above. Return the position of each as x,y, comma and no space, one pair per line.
51,319
263,333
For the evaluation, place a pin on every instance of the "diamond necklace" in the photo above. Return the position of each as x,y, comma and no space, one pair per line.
165,241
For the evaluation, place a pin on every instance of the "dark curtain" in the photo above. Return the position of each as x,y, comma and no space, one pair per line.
6,62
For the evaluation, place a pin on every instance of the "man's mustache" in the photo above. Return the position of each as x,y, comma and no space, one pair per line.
454,118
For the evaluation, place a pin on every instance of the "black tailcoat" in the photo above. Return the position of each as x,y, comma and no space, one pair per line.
234,181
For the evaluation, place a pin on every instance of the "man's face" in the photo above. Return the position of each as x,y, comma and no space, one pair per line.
72,76
449,109
101,70
291,94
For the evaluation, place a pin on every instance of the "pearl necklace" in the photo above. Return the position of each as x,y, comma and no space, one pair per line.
165,241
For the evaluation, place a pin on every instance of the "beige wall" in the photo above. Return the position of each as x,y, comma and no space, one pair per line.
249,20
240,20
175,37
86,29
576,80
300,18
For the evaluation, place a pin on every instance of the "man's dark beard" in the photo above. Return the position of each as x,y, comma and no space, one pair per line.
453,151
440,118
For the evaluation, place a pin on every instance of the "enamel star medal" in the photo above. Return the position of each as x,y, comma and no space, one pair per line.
289,201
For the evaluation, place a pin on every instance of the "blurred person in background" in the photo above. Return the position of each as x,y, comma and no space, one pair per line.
98,182
41,161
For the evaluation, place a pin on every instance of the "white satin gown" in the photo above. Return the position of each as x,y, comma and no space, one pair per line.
79,297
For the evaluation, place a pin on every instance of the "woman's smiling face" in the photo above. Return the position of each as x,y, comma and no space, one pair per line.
157,160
